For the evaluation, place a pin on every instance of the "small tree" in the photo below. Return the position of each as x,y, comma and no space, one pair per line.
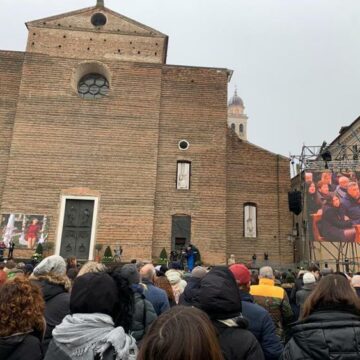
108,257
163,257
39,249
38,255
163,254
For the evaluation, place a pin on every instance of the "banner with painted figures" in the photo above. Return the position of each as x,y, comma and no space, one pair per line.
333,205
25,231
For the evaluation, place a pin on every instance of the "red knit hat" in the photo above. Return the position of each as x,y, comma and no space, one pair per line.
241,273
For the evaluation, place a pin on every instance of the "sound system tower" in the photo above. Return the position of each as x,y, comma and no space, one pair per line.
295,201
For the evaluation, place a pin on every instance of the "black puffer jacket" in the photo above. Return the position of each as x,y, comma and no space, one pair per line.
325,334
57,302
144,315
219,297
190,292
21,346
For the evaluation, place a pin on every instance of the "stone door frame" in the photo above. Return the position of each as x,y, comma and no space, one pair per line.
61,222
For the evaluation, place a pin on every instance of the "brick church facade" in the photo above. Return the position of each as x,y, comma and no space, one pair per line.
115,146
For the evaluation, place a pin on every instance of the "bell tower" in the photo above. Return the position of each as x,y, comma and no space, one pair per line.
237,120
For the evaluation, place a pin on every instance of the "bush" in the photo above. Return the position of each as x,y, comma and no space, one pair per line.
39,249
108,256
163,254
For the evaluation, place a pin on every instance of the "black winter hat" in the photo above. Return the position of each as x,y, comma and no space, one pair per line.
219,295
130,273
94,293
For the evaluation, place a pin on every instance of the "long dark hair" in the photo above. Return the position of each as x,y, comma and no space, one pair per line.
331,290
181,333
126,299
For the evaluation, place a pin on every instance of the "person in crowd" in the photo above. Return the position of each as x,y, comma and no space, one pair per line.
50,275
22,323
273,298
193,285
72,274
308,178
351,203
334,226
190,257
11,248
71,263
162,282
309,282
254,278
161,270
330,324
28,270
182,333
177,283
288,282
355,282
91,266
143,313
260,322
10,265
341,189
311,199
326,178
91,331
156,296
315,270
219,297
323,193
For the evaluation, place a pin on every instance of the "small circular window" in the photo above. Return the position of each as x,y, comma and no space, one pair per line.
93,86
183,144
98,19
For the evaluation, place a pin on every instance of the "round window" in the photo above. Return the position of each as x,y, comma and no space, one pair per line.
98,19
183,144
93,86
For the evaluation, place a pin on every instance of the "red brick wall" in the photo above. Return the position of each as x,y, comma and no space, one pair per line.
258,176
10,77
61,141
193,107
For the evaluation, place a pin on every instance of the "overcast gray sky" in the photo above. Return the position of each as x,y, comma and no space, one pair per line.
296,62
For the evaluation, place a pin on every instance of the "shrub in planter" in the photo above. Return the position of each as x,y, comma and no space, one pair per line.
163,258
108,256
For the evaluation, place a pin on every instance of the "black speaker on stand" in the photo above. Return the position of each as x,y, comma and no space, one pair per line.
295,201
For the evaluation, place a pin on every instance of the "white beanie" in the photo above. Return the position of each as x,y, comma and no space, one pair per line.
309,278
54,264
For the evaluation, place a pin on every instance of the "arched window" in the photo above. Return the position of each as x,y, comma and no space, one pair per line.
233,126
250,220
241,128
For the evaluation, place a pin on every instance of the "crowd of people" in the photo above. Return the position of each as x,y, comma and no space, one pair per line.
61,310
336,199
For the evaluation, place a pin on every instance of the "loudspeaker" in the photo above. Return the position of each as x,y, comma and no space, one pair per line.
295,202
